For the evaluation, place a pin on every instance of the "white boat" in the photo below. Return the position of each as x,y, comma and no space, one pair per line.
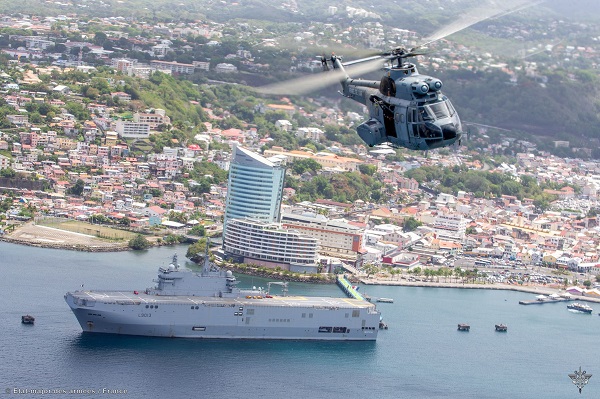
580,307
385,300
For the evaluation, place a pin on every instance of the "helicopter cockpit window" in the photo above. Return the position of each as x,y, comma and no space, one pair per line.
441,109
425,114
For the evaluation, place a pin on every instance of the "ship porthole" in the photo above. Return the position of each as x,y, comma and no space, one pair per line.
197,307
147,306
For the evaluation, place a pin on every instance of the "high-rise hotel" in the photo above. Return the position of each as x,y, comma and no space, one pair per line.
252,233
255,187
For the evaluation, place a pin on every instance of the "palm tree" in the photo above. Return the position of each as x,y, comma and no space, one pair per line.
458,273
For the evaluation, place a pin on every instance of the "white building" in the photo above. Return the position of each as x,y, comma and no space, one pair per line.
449,226
225,68
154,118
132,129
267,244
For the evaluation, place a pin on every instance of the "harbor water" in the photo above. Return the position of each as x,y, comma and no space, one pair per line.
421,355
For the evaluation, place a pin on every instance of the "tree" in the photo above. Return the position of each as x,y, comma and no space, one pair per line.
7,172
139,242
367,169
197,230
303,165
77,188
410,224
196,251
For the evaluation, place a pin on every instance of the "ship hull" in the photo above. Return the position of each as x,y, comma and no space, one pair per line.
299,318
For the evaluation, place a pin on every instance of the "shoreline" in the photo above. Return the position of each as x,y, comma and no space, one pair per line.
67,247
530,289
330,279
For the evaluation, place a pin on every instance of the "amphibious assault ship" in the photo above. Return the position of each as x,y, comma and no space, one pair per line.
208,304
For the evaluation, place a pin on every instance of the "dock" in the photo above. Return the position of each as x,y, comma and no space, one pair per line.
350,291
542,301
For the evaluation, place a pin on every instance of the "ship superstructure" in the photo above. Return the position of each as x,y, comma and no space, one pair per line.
209,304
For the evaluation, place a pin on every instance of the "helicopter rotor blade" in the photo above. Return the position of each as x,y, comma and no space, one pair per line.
479,14
308,83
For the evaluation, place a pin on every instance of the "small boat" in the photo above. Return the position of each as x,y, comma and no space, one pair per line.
464,327
501,327
27,319
383,326
385,300
580,307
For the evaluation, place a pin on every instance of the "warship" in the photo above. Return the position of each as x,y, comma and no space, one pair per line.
208,304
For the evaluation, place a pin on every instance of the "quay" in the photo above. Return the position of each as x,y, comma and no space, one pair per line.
541,300
350,291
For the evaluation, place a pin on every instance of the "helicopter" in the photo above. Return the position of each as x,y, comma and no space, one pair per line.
406,109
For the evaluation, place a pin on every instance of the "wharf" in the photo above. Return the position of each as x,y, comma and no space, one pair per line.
540,302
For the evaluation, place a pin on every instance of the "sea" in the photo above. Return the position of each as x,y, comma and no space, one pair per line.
421,355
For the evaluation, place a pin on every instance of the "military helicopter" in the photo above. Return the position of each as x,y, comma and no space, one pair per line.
406,109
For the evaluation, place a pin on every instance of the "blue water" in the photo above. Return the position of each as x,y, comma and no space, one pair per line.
422,355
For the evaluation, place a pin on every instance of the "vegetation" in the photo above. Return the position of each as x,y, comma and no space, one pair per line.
410,224
197,250
482,184
139,242
341,187
198,230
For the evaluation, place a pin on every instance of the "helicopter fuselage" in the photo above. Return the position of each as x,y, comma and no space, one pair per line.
406,109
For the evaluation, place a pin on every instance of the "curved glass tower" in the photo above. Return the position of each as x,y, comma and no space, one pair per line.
255,187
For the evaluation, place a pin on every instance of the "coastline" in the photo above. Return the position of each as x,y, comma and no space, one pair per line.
68,247
530,289
33,235
51,238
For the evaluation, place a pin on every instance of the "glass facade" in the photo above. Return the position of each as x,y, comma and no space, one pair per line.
255,187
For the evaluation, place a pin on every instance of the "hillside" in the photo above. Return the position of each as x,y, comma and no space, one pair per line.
562,108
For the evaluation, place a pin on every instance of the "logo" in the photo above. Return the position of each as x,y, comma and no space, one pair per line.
580,378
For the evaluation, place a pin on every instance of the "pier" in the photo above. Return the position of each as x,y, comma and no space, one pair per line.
542,301
347,288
